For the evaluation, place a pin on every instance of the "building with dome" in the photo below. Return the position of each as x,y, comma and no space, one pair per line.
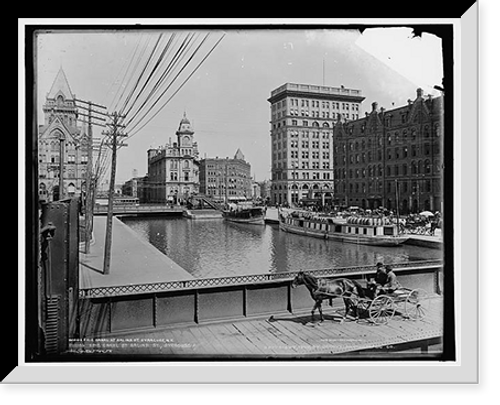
173,168
62,162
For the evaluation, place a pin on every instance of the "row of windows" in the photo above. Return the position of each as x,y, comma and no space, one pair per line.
223,181
175,177
405,187
295,102
70,159
392,138
391,154
303,176
315,114
414,168
69,173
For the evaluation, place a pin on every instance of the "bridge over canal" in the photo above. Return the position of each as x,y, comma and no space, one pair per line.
252,315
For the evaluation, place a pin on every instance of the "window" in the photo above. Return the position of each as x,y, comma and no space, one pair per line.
427,166
427,149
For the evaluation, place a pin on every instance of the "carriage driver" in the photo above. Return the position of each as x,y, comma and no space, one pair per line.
386,279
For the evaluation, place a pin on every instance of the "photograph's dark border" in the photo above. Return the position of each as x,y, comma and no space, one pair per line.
444,31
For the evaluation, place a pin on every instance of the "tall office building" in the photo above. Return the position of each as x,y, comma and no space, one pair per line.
303,117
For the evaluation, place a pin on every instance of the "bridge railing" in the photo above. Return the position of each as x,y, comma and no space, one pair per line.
99,292
132,208
107,311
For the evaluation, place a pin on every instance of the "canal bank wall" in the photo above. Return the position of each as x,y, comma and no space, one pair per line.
133,260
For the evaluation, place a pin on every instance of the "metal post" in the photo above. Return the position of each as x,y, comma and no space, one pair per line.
61,166
88,186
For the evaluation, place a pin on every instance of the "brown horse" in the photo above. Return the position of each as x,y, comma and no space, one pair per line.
321,289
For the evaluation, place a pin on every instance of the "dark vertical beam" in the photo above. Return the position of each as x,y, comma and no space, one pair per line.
196,306
245,303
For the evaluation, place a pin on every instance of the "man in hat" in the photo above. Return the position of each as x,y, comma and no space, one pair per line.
392,283
385,279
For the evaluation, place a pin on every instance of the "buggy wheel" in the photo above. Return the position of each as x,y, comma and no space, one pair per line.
382,309
417,304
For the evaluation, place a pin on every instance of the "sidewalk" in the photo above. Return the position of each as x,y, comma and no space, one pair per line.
431,241
133,261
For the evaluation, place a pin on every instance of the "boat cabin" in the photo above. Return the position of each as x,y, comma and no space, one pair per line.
352,226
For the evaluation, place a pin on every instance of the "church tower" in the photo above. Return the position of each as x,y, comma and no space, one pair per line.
60,102
62,163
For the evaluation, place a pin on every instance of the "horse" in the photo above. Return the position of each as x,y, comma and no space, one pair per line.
321,289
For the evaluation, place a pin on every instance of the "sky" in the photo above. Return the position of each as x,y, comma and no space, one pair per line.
226,98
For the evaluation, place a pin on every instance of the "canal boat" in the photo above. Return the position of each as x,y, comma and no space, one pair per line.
358,230
245,213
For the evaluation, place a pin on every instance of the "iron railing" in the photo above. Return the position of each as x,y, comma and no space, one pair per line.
99,292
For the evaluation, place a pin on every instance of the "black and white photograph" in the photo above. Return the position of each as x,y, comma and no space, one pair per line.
251,193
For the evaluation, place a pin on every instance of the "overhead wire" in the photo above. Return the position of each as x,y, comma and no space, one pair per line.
157,99
181,85
148,78
140,76
163,76
153,72
129,77
127,63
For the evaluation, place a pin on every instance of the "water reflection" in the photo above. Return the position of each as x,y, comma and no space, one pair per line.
217,248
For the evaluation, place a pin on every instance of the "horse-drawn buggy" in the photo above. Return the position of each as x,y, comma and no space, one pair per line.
379,307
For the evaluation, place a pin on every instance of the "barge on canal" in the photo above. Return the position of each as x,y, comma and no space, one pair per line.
358,230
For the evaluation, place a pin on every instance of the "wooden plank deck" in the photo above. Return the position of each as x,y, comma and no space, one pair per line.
288,336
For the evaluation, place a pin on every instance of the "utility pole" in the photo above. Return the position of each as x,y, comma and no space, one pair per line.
61,166
114,141
89,189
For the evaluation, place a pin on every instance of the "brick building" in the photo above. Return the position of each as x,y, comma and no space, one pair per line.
224,179
401,147
356,161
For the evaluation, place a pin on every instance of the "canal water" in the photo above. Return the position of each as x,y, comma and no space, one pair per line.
216,248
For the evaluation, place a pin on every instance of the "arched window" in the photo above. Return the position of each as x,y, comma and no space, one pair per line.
413,168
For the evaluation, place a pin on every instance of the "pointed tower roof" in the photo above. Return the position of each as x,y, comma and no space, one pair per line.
239,155
185,126
60,86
